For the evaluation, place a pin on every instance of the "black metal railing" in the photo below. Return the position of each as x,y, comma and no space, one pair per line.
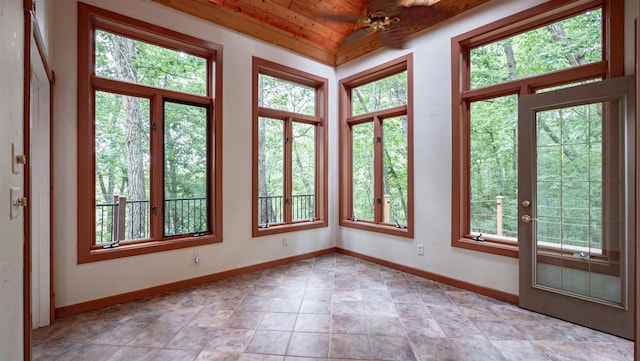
270,208
182,216
185,215
126,219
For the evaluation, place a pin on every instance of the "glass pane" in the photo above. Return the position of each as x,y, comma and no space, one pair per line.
122,58
567,154
270,171
395,162
362,158
381,94
562,45
186,176
122,167
575,212
564,86
494,167
303,171
281,94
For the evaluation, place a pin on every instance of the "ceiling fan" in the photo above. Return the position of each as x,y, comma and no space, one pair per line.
389,20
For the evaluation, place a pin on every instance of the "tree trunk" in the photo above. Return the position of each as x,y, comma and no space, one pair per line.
124,52
559,35
264,206
511,59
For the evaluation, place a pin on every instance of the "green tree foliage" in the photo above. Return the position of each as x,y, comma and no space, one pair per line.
574,41
362,170
276,93
569,142
123,130
381,94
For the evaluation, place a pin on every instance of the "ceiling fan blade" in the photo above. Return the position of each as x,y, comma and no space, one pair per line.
347,18
420,15
356,36
382,5
394,37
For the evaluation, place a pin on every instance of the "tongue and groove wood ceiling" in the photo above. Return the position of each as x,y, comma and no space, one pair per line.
298,25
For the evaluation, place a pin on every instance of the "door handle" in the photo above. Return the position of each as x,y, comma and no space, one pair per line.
527,219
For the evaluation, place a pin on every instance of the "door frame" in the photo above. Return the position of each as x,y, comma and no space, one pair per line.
548,302
33,41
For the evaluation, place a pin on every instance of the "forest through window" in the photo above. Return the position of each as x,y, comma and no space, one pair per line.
377,190
289,150
493,123
147,128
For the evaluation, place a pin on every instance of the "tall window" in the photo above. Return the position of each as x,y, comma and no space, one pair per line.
376,149
495,65
148,138
290,153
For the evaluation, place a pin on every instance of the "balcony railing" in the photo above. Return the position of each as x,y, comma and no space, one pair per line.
126,219
555,225
270,208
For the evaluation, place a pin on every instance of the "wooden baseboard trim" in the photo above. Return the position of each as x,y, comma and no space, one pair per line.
490,292
180,285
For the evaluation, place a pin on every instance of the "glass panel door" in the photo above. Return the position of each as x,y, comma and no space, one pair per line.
574,185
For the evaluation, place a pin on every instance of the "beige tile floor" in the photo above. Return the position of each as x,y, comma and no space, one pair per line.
331,307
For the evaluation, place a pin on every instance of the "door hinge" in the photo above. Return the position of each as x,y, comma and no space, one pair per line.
20,202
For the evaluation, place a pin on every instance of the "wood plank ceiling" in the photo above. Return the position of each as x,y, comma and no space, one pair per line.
297,25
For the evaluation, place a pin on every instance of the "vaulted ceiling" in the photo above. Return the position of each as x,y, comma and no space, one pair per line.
301,25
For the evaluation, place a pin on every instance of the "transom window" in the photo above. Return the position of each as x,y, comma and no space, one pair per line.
147,124
376,149
289,149
565,47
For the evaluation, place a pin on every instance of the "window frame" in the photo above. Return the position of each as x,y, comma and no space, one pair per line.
401,64
319,120
90,19
612,65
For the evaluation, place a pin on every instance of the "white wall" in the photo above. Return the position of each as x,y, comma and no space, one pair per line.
11,122
432,157
432,140
78,283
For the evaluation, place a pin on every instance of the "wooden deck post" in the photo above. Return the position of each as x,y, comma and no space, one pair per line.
386,216
499,202
119,218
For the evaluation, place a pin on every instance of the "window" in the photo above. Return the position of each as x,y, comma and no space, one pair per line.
569,44
290,154
376,149
149,138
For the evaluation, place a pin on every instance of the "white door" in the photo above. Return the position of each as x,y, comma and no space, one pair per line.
576,204
40,199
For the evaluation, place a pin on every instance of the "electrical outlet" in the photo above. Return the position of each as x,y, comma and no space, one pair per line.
420,250
285,241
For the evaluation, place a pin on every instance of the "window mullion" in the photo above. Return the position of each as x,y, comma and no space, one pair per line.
378,169
288,176
157,168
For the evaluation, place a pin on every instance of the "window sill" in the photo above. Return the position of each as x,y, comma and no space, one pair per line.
284,228
379,228
502,249
135,249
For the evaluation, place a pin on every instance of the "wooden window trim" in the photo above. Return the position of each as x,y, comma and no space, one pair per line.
320,84
404,63
552,11
89,19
